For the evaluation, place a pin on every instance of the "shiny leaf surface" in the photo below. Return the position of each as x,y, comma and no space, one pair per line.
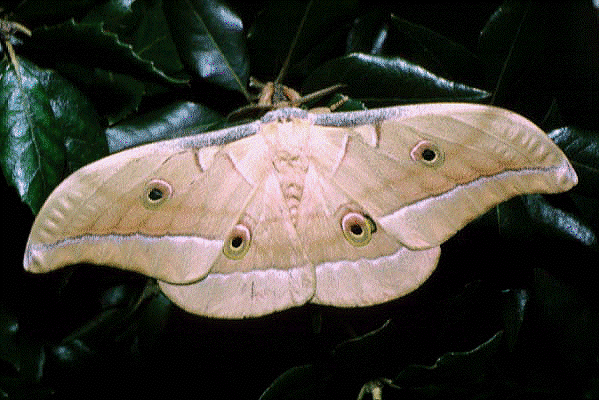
50,130
210,40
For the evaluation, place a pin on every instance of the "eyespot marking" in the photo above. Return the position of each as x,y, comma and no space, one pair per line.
155,193
238,242
427,153
357,228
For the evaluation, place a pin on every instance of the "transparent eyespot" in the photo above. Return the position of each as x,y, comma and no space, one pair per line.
238,242
156,192
427,153
357,228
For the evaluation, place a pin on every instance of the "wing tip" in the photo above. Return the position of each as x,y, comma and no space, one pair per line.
33,260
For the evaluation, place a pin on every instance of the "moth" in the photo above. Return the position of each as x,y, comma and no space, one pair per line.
345,209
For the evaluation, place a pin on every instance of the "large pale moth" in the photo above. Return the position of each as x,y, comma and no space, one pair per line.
344,209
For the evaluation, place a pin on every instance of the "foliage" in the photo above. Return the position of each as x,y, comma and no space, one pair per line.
511,311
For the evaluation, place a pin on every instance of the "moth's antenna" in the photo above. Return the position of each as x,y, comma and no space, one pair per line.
293,43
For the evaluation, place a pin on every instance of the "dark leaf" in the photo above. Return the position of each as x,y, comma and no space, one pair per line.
535,55
115,95
511,47
9,328
322,37
569,215
18,389
556,356
515,304
379,33
50,130
91,45
567,318
21,360
175,120
49,12
141,24
535,216
370,35
210,41
384,81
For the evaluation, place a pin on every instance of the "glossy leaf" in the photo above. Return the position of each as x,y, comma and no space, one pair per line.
174,120
50,129
382,34
210,40
322,37
383,80
114,95
91,45
141,24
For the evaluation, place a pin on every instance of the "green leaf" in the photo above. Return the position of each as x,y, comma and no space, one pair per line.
48,12
114,95
388,80
112,10
211,42
91,45
143,25
436,52
48,129
380,33
174,120
323,36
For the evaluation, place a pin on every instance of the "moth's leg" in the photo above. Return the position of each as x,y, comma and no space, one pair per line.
266,94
